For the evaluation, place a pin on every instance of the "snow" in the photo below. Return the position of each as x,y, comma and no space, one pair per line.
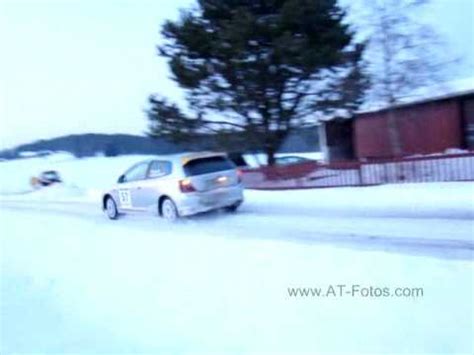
74,282
89,173
28,154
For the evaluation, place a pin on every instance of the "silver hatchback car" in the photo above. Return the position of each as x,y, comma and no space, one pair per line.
176,186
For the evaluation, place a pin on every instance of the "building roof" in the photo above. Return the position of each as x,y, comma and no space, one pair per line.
422,100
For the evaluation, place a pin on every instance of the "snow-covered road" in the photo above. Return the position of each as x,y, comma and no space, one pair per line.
74,282
430,236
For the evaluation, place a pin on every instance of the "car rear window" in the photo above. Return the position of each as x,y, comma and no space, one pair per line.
207,165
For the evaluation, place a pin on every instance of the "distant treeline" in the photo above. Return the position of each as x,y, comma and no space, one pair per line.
91,144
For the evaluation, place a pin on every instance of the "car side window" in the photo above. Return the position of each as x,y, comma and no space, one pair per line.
159,169
292,160
137,172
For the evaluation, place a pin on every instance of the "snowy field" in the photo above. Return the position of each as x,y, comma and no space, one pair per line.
74,282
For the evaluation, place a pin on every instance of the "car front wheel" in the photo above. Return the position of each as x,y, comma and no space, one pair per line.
169,210
111,208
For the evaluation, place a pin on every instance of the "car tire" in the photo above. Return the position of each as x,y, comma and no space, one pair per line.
111,208
168,210
232,208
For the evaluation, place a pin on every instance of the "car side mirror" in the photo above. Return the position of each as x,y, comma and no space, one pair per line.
121,179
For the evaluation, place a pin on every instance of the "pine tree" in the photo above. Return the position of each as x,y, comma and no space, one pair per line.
262,68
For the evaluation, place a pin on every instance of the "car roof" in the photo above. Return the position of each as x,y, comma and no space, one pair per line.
183,158
49,172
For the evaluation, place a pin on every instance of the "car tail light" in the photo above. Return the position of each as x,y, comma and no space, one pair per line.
240,173
186,186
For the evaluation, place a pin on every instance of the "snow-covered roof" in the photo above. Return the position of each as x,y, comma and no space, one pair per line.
444,92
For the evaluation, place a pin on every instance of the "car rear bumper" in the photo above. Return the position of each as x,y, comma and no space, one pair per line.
196,202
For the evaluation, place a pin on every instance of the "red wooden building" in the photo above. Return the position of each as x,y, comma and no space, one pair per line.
424,127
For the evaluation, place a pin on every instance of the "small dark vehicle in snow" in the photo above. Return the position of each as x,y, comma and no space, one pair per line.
46,178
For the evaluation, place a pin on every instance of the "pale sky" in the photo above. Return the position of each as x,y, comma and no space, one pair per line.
78,66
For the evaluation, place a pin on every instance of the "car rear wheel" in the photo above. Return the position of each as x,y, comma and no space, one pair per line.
169,210
233,207
111,208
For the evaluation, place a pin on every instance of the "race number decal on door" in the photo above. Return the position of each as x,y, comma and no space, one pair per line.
125,198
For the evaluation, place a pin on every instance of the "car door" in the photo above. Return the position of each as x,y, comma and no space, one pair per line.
130,187
158,175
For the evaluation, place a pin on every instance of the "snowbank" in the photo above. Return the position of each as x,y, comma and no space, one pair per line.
86,173
441,200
